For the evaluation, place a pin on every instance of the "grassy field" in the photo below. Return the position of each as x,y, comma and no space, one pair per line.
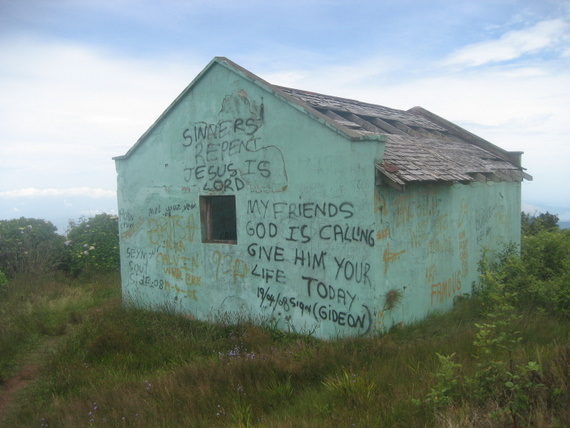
71,355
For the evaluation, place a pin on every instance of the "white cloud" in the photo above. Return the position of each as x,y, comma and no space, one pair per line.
56,89
66,109
517,108
32,192
512,45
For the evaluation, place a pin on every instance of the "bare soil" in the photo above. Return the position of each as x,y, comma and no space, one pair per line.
25,375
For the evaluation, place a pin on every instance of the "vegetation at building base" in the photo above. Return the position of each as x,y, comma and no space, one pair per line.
500,358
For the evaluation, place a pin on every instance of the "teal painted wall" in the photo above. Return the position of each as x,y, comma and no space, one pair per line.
432,237
318,246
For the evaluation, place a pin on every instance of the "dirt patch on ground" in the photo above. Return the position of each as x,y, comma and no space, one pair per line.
27,373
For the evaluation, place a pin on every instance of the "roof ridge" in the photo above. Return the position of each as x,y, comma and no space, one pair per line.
334,97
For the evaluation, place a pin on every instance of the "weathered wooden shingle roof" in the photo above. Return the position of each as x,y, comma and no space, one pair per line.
421,147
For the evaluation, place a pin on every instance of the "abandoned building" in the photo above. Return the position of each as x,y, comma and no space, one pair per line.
321,214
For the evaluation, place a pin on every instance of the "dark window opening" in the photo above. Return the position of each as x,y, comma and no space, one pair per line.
218,216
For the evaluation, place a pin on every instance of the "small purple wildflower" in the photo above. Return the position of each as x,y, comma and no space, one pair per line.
237,353
220,411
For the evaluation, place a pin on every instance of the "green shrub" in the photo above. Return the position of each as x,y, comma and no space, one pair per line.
93,244
536,277
533,224
30,246
547,254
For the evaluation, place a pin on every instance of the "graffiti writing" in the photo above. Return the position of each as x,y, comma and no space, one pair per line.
321,312
383,234
463,254
441,291
226,264
307,210
362,321
328,292
357,271
268,275
389,257
202,131
408,207
174,230
261,230
269,299
268,253
311,260
126,219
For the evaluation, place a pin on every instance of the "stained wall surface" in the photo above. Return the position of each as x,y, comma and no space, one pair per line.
304,210
432,237
318,247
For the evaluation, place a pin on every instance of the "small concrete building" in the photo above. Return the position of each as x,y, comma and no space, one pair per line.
321,214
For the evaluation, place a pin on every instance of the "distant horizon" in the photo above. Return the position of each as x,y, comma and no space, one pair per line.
60,217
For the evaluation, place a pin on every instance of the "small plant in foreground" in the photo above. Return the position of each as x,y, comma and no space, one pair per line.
443,394
514,388
351,387
280,391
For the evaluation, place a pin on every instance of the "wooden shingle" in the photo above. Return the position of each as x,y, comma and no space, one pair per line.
420,147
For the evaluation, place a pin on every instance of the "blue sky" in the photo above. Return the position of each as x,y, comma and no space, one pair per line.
81,80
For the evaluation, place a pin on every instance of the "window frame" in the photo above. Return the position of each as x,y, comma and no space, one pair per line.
207,216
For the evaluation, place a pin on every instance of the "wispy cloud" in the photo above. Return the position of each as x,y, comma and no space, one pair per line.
74,191
68,108
512,45
92,76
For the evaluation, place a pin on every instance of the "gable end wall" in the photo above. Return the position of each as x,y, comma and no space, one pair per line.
305,253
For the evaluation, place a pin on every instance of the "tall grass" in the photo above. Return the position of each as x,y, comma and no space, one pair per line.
33,307
501,358
112,365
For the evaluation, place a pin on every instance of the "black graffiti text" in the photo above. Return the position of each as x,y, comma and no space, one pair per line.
312,260
287,303
357,271
203,131
268,275
269,253
328,292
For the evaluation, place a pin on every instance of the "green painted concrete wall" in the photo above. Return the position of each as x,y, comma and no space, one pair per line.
431,238
318,246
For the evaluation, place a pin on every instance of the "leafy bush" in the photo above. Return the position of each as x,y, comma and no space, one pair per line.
536,277
534,224
30,246
533,281
94,244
